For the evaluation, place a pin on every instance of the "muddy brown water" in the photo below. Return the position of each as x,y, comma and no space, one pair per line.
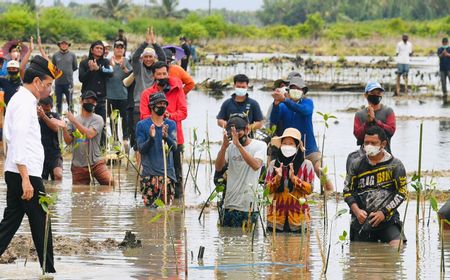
99,213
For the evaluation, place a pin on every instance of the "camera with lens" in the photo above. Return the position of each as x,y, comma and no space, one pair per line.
284,90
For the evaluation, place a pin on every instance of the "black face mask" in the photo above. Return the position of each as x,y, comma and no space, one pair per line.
159,110
13,74
89,107
374,99
162,82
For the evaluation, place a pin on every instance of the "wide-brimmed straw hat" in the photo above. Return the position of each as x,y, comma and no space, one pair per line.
288,132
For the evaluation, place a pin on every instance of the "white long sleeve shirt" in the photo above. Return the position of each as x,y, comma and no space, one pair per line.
23,134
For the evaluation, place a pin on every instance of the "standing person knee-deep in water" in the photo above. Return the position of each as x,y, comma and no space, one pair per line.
375,187
245,158
50,124
288,175
84,132
150,133
375,114
25,158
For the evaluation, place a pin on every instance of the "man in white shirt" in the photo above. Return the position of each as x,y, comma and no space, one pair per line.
25,158
245,158
404,51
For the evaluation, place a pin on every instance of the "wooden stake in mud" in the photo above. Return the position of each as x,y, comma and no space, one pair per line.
419,172
185,253
165,171
274,225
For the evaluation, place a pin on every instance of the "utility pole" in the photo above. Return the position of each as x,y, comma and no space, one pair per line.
209,8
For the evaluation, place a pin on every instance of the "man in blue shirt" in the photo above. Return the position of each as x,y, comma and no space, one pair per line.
444,66
294,109
240,103
150,134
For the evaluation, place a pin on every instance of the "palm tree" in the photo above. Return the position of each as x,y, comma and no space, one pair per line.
115,9
30,3
167,7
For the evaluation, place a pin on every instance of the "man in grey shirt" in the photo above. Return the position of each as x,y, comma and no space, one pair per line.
67,62
84,133
245,158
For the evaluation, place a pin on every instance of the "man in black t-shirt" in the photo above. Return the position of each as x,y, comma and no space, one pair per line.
241,103
50,123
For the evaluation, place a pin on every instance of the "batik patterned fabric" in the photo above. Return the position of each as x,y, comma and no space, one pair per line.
152,188
288,207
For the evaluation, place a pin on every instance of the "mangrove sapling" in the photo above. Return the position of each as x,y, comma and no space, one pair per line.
168,211
343,239
46,201
302,201
219,189
338,214
402,231
432,199
80,137
417,186
419,172
323,177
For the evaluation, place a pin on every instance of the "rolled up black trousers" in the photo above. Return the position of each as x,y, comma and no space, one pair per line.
16,208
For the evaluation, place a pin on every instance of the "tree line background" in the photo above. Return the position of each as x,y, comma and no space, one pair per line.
278,19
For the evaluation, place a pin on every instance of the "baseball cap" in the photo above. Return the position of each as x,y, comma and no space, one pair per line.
13,64
158,97
240,121
373,85
297,81
89,94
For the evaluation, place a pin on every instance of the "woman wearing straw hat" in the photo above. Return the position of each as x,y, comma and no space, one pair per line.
290,179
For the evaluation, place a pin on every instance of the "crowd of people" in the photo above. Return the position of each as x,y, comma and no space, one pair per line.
149,91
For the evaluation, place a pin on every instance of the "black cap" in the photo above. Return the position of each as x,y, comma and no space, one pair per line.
239,121
89,94
42,65
46,101
156,98
169,55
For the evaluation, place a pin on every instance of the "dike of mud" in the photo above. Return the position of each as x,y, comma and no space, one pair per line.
22,247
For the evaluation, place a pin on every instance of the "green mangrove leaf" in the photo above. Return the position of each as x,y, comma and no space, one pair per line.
156,218
159,203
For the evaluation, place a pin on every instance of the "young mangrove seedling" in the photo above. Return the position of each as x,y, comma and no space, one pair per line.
335,217
168,211
46,201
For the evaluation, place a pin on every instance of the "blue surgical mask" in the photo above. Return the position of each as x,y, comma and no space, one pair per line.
240,91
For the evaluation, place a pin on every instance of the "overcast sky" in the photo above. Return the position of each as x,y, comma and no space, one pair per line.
242,5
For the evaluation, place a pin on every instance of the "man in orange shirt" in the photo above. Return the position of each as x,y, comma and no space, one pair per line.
176,71
176,111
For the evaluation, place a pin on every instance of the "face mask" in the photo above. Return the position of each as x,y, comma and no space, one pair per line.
159,110
371,150
13,74
288,151
243,139
240,91
296,94
162,82
89,107
374,99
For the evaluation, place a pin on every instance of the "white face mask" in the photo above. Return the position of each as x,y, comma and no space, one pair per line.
296,94
371,150
288,151
240,91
